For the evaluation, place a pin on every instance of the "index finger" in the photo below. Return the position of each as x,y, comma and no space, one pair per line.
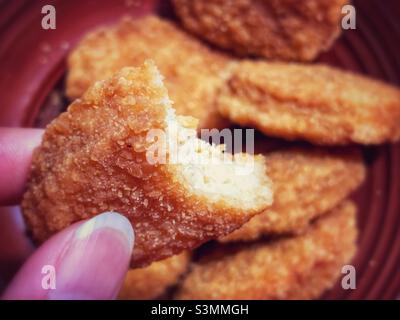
16,147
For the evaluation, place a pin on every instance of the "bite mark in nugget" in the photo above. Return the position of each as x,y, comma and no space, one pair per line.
275,29
152,281
95,158
193,74
317,103
307,183
301,267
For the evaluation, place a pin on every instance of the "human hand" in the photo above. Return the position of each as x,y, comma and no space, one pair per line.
88,260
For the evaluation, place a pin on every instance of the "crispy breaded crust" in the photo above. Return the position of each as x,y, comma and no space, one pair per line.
193,73
152,281
93,159
302,267
276,29
318,103
307,183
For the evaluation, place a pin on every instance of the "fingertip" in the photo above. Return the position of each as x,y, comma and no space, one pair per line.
89,261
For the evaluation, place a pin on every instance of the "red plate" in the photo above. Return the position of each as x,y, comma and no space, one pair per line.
32,65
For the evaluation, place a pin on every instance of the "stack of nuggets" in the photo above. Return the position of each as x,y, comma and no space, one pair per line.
315,224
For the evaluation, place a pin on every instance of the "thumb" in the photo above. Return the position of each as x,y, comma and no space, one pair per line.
88,260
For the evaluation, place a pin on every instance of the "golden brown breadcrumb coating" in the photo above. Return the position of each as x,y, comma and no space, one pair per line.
153,281
193,73
301,267
318,103
94,158
275,29
307,183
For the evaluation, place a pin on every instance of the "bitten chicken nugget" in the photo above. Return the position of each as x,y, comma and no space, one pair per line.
115,150
317,103
193,73
153,281
276,29
302,267
307,183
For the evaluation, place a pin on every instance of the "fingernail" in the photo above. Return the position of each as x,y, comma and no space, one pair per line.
95,262
111,220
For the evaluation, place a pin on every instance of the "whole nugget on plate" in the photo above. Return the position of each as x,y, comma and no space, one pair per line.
307,183
317,103
275,29
193,73
301,267
122,148
154,280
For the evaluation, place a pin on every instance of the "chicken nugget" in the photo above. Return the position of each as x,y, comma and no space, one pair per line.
307,183
153,281
301,267
317,103
122,148
193,73
275,29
